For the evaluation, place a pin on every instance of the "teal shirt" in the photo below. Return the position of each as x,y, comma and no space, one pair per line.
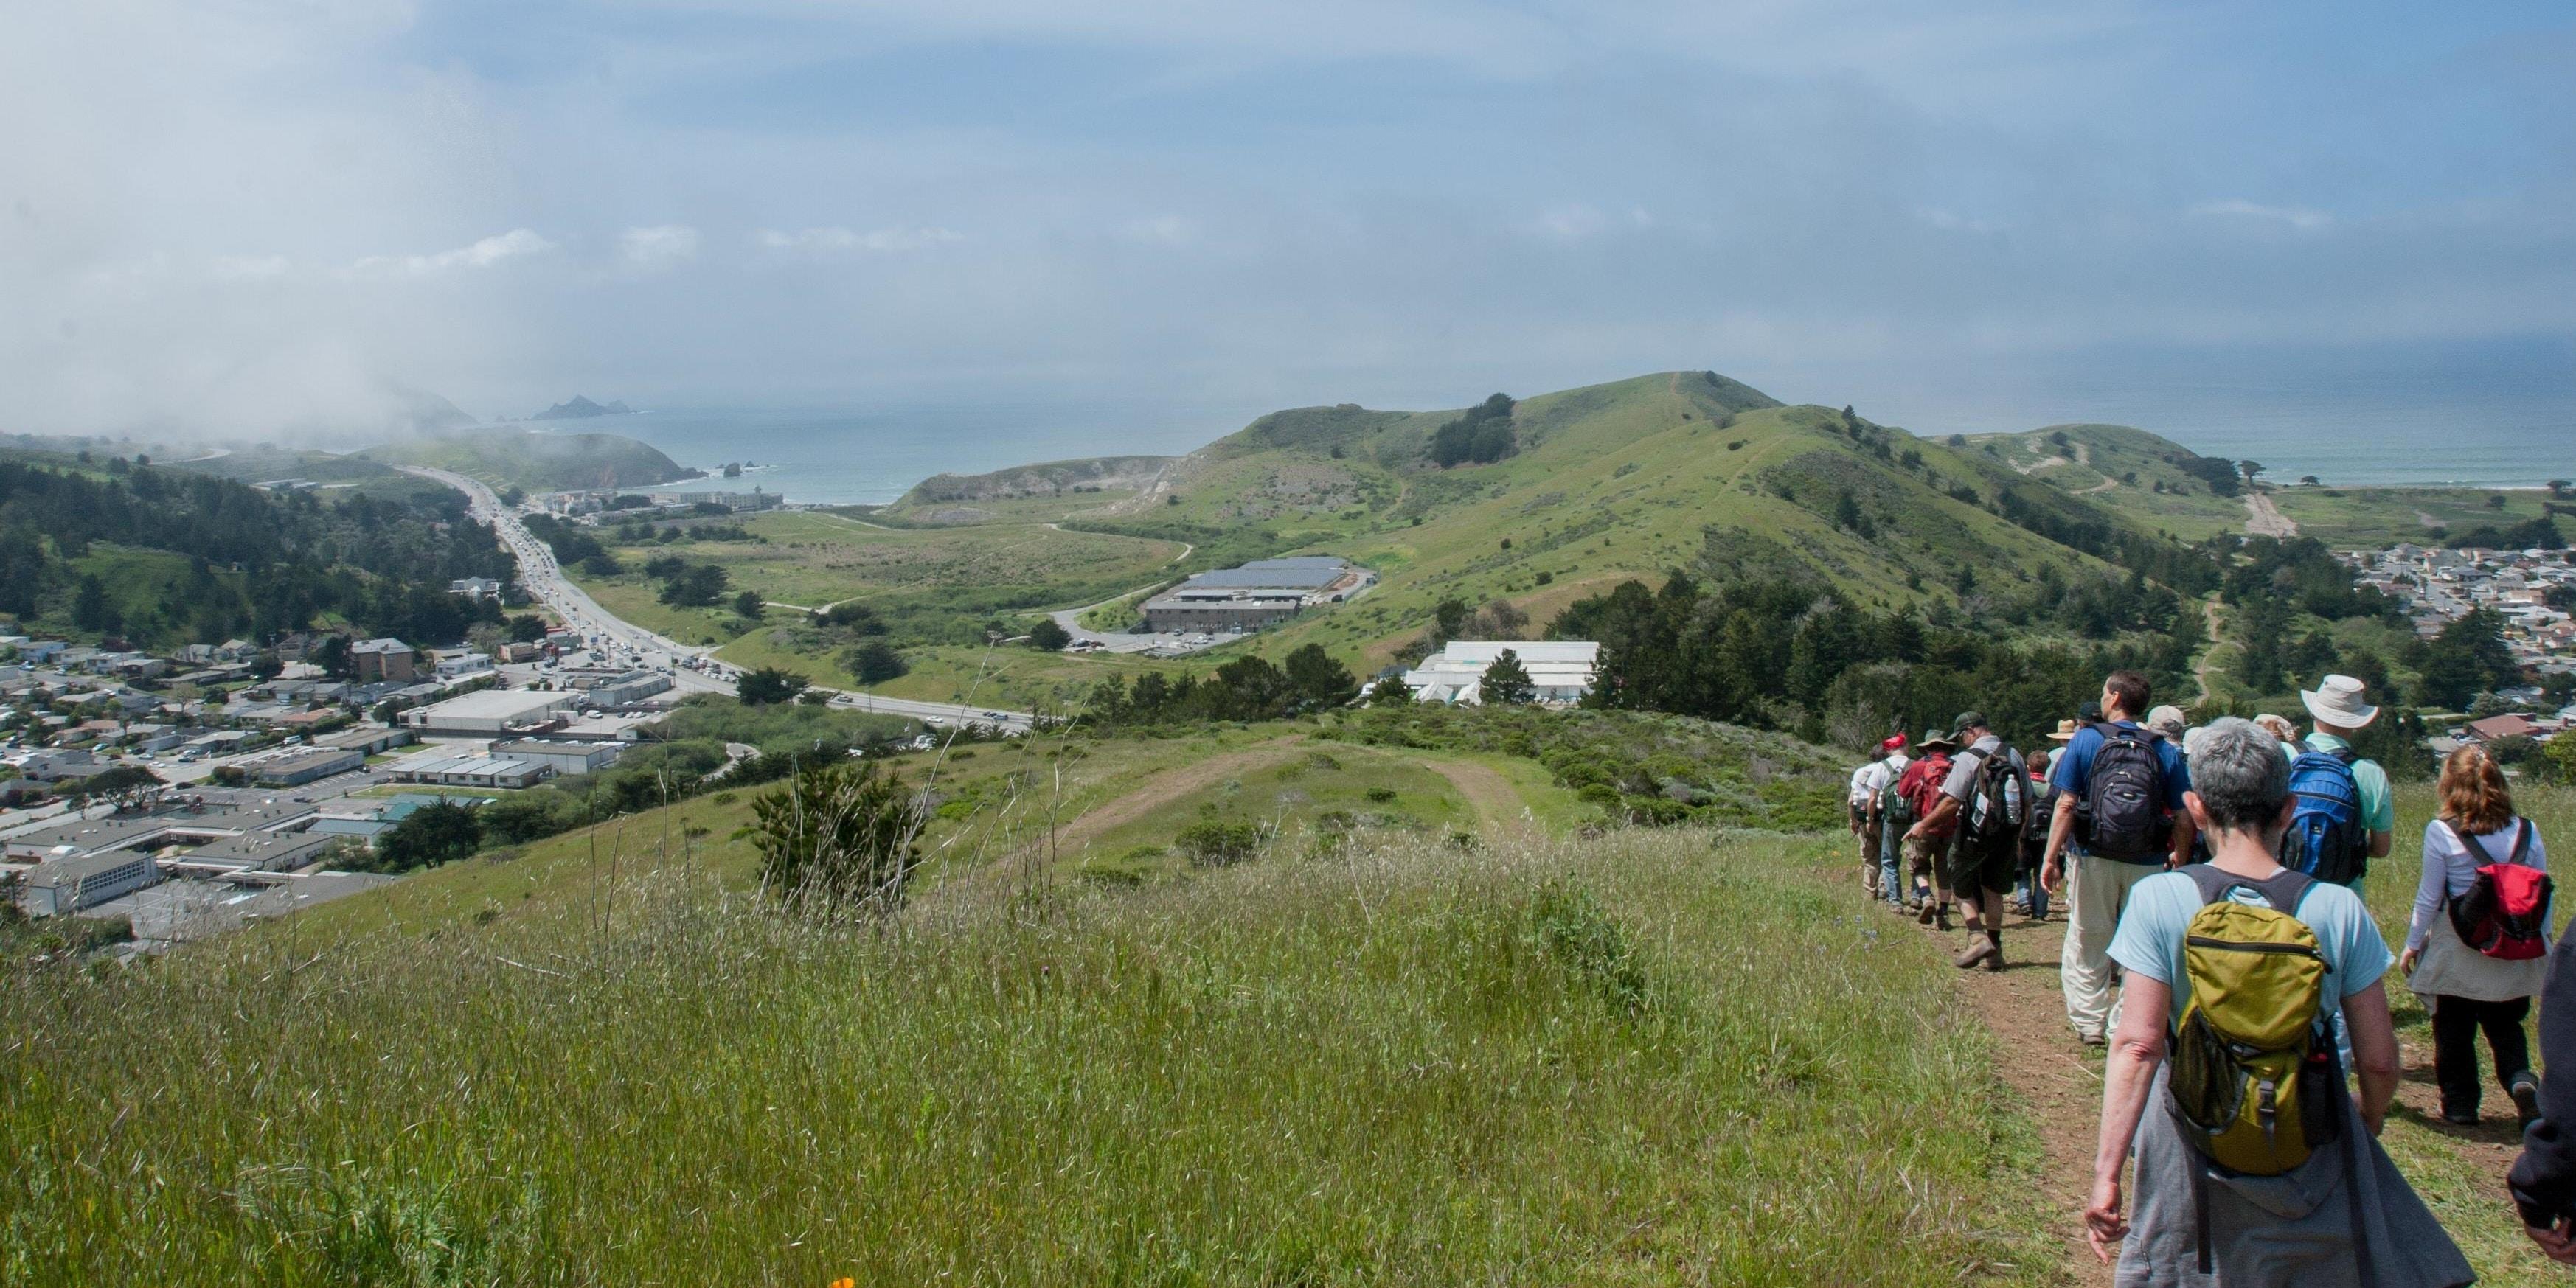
2149,940
2378,804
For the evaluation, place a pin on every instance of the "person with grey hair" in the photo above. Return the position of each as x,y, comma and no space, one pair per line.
2344,1215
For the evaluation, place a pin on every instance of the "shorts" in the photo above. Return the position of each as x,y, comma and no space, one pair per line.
1972,869
1923,856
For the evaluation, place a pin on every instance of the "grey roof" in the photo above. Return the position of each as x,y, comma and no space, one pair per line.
55,874
380,646
1268,574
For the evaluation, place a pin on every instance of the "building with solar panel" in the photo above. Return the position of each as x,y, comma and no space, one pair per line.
1261,593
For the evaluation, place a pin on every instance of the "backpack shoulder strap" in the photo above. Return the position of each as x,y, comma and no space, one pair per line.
2347,755
2521,840
2283,889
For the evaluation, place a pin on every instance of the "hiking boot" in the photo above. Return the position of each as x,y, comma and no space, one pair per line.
1994,954
1980,951
2092,1039
2525,1091
2460,1117
1923,914
1941,919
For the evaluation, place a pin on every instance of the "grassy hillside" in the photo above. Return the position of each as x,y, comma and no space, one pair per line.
2379,517
538,460
1403,1062
1073,480
2129,470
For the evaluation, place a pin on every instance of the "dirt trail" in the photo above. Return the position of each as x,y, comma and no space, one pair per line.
2264,519
1170,785
2058,1079
1496,804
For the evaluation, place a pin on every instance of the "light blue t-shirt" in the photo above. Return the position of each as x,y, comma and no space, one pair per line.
2150,938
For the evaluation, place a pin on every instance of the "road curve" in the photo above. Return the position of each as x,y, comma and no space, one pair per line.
542,578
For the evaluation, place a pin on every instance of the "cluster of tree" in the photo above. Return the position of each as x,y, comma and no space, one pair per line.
1481,436
1780,652
689,585
258,566
2304,575
2531,534
572,547
768,685
2467,658
875,662
2220,475
1247,688
838,837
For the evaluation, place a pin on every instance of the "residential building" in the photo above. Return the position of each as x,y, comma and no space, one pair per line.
383,659
475,588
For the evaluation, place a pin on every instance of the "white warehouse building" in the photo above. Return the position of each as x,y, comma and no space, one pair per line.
1560,671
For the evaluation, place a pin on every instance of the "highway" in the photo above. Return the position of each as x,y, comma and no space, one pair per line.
540,576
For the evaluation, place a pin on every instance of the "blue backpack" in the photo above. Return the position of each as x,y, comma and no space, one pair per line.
2325,839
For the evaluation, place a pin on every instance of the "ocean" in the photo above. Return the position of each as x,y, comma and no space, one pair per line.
2490,417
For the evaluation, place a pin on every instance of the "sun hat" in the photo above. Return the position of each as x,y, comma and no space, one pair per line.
2065,732
2337,701
2167,720
1941,740
2278,726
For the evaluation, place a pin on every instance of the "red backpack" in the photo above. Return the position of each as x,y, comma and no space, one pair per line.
2505,912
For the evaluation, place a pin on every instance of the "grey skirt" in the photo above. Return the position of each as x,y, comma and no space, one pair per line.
2294,1230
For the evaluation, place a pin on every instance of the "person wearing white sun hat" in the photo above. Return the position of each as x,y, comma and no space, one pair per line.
2340,710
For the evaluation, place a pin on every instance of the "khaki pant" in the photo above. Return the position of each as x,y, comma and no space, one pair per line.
1923,861
2099,893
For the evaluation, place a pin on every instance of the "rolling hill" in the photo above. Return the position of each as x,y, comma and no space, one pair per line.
1607,482
539,460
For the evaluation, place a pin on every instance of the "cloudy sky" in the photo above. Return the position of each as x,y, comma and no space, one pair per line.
250,216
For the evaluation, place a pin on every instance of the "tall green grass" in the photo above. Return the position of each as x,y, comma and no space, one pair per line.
1637,1060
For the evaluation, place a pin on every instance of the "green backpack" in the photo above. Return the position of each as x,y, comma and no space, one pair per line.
2253,1080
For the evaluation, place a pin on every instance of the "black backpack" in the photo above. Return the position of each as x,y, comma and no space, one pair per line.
2124,796
2002,792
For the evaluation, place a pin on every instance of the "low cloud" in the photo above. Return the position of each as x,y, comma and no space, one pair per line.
658,247
880,241
2299,217
482,254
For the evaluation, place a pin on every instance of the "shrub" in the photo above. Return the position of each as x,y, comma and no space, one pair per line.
1216,845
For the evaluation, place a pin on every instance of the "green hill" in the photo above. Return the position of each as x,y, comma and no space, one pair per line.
2155,481
539,460
1607,482
1044,489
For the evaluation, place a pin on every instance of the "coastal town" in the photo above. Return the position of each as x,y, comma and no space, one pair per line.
2532,596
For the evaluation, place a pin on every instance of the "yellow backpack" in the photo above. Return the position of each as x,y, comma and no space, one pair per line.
2254,1080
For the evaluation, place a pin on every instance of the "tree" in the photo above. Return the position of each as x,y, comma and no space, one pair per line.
1319,681
2558,487
1448,617
874,662
1389,692
839,835
1049,637
439,832
1214,845
90,609
767,686
332,655
1507,683
527,628
2249,469
2468,658
748,604
122,785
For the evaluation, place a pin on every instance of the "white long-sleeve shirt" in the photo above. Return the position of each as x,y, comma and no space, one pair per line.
2451,863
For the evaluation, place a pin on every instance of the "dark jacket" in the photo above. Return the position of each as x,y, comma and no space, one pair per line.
2544,1178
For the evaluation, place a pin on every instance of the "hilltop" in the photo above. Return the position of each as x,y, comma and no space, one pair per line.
1087,480
582,408
540,460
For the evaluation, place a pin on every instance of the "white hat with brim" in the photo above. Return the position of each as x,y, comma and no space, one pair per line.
2337,701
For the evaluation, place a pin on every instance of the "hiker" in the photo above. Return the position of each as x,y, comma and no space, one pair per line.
2119,805
2029,897
1892,815
1862,800
2278,726
1920,787
2255,1165
1985,802
2347,815
2168,720
2489,983
2543,1179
